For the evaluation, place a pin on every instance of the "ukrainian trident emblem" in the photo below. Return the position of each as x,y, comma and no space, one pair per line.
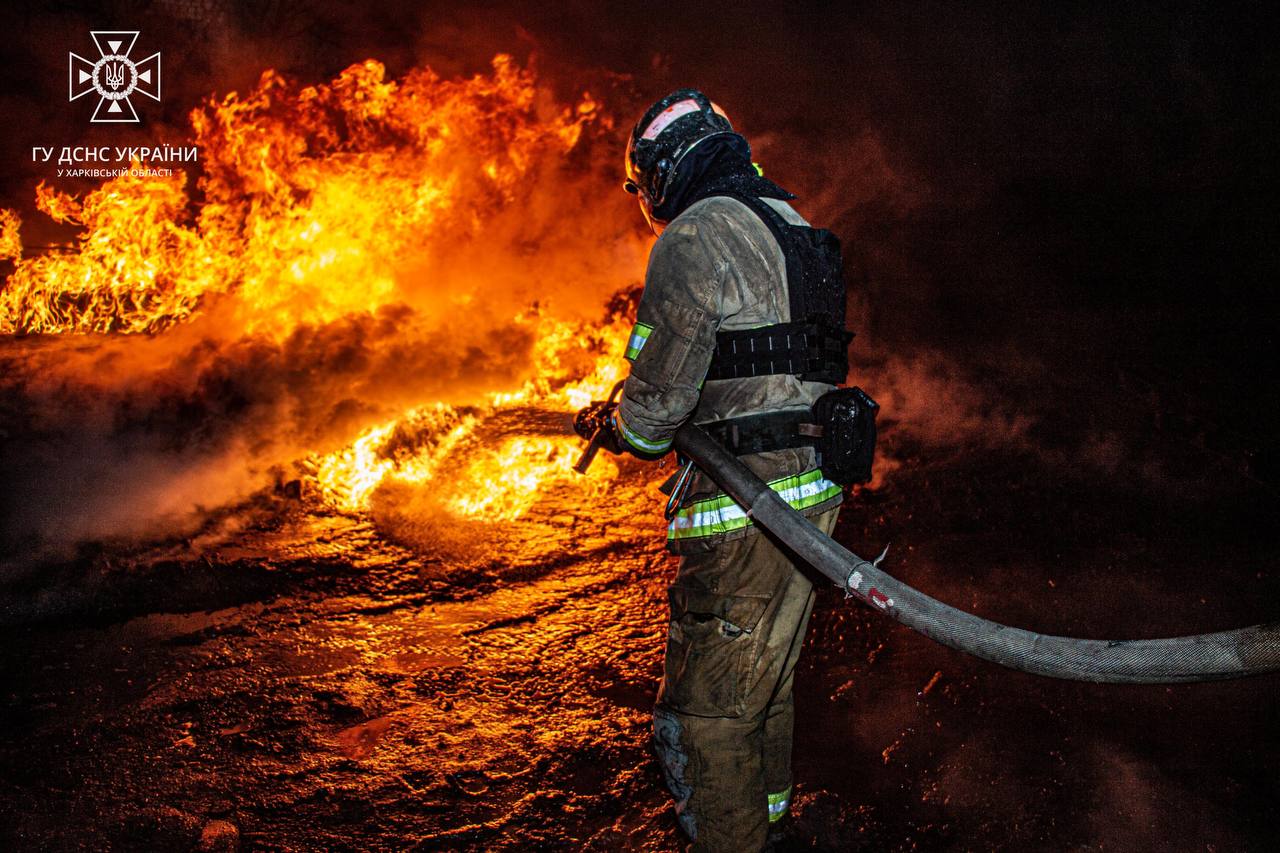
114,76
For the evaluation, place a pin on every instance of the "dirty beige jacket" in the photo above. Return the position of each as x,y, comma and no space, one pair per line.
716,266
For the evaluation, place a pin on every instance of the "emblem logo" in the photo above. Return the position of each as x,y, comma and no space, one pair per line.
114,76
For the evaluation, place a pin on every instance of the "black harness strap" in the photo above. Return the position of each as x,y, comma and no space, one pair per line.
803,349
814,345
765,432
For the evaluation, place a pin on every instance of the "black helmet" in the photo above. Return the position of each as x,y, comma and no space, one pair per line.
667,132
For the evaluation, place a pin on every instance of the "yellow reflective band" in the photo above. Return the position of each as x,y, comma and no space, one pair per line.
721,514
759,169
639,442
778,804
639,335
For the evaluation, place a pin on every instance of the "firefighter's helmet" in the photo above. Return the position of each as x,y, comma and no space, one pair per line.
663,137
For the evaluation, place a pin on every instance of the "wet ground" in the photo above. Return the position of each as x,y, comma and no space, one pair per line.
294,679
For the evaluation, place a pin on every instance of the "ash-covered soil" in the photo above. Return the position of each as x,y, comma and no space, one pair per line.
291,679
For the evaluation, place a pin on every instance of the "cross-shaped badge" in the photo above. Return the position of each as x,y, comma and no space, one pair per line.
114,76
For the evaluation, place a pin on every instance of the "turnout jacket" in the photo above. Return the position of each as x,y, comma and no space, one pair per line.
715,266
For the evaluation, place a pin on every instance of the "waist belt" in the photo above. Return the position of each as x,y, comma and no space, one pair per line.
765,432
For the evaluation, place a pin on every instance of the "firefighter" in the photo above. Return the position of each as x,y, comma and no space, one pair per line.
741,328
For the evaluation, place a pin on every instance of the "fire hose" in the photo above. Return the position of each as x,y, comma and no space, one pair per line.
1201,657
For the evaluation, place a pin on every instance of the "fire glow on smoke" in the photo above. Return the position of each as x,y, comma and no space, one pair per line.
421,210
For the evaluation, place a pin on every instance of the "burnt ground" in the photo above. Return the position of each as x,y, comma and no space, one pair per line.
299,680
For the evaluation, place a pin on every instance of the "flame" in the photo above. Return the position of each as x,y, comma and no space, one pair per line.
408,449
319,203
497,484
10,239
494,483
311,199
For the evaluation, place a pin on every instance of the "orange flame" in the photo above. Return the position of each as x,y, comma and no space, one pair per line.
496,484
10,239
311,198
323,202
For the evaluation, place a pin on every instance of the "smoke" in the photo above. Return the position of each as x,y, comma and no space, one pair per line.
138,437
1150,806
1106,797
941,403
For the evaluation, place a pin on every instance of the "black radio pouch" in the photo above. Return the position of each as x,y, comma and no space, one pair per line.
847,446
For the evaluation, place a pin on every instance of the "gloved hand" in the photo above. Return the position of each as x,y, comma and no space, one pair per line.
595,420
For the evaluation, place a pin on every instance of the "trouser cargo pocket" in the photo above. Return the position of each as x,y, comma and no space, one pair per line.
710,651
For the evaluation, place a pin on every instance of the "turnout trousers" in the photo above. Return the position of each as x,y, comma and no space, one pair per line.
724,716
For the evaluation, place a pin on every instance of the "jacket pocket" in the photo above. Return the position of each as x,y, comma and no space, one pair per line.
667,348
709,651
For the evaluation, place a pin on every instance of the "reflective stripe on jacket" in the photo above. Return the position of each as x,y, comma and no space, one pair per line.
716,266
